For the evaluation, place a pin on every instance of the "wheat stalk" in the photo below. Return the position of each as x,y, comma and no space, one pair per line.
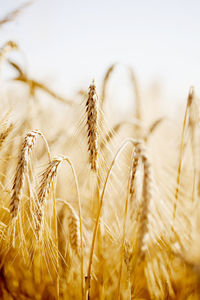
105,83
189,101
34,85
129,196
10,45
11,16
137,95
44,188
140,152
121,148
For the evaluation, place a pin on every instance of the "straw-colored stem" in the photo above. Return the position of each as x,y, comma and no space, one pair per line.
180,158
80,221
56,240
122,246
138,113
88,279
128,196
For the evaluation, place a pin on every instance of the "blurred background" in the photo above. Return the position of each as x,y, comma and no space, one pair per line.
68,43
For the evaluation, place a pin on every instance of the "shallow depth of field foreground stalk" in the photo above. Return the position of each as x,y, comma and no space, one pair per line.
122,147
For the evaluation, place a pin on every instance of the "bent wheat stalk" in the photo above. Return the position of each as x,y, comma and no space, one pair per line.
45,185
34,85
122,147
105,83
10,45
135,86
189,101
138,113
11,16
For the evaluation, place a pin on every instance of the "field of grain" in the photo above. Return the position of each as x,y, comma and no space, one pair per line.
92,206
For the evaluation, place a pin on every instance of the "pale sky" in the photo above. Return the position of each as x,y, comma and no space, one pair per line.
70,42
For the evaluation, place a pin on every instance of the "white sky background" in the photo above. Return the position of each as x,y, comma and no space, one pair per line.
67,43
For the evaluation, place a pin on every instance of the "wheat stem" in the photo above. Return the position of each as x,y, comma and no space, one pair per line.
181,155
88,279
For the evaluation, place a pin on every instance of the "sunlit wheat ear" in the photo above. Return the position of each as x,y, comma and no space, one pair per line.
74,231
44,189
92,126
21,170
128,254
73,228
146,198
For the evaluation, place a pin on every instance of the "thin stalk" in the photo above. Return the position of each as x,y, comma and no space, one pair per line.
131,178
180,158
56,240
88,279
122,247
80,221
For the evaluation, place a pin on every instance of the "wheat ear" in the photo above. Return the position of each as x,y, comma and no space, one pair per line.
21,170
44,189
73,227
92,127
146,198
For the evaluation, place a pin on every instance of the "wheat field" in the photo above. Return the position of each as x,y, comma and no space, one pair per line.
92,206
